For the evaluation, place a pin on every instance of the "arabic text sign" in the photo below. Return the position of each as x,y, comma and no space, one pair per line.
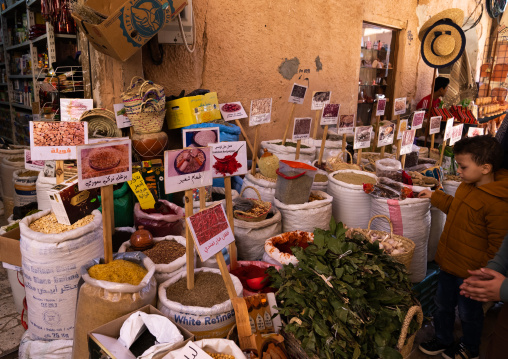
211,231
104,164
56,140
418,117
408,138
435,125
229,159
232,111
141,191
260,111
187,169
330,115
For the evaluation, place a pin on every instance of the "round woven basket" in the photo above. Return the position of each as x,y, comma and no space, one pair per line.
408,245
249,217
101,123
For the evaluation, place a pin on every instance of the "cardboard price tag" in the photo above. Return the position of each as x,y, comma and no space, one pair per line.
192,351
141,191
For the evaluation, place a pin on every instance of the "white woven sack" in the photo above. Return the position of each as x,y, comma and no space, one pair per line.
306,216
410,219
331,147
24,189
450,187
351,205
221,346
274,256
51,264
42,186
47,349
266,188
165,271
288,152
251,236
437,222
6,154
7,168
320,186
215,322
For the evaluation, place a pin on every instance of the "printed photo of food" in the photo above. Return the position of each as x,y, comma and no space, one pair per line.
302,126
201,137
435,123
261,106
331,110
188,161
105,160
363,134
231,107
386,134
347,121
321,96
298,91
408,138
400,105
58,133
208,224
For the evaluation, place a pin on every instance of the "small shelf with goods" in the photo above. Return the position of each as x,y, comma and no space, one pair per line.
13,6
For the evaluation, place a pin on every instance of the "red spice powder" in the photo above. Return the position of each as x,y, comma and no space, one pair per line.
291,239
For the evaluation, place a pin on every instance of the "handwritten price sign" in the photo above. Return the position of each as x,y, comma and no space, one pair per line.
192,351
141,191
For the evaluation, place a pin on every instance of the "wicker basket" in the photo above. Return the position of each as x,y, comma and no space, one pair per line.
404,345
137,90
101,123
407,244
248,217
149,119
342,165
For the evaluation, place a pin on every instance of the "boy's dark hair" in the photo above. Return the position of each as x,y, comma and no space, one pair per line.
441,83
483,150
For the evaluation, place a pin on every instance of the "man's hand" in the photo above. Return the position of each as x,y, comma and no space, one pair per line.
425,194
484,285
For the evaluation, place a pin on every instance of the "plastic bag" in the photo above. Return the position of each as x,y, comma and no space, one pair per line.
161,225
389,168
100,302
266,188
288,152
220,346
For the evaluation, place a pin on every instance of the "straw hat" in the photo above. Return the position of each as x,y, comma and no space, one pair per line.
455,15
443,43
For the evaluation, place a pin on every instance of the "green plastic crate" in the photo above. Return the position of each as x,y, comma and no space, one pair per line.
426,290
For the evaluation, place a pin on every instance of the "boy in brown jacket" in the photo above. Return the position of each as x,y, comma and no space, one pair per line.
476,223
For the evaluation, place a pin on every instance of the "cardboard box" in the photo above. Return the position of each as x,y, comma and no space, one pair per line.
187,111
9,247
129,24
69,204
103,341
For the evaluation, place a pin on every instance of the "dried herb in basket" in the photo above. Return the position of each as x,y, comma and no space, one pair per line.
347,298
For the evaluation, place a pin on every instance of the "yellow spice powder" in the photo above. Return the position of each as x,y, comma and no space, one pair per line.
118,271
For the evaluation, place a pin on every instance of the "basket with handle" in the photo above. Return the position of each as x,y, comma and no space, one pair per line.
405,344
101,123
135,105
138,88
149,119
133,88
408,245
260,215
338,164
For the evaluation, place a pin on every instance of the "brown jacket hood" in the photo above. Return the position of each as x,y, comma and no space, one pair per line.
498,188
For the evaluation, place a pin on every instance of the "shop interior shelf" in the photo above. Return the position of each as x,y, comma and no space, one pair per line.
13,6
23,44
4,103
40,38
20,76
20,105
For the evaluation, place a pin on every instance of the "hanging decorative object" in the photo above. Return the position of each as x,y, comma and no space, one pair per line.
496,7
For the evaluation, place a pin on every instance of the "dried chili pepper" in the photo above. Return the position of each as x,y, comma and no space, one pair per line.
226,165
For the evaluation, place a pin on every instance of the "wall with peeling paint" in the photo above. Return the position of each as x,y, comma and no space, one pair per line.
246,49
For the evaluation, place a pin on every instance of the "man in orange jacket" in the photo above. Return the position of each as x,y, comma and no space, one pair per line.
475,227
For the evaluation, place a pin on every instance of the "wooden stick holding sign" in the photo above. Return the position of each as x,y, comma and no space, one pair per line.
255,151
297,96
211,232
103,165
408,138
229,159
319,100
330,116
59,171
382,136
301,130
399,108
447,136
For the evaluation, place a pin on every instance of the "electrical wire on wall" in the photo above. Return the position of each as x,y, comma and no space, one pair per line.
190,50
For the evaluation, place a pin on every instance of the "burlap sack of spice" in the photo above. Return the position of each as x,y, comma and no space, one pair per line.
100,302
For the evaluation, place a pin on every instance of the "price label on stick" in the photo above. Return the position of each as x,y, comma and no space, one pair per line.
297,94
381,106
448,129
435,125
363,136
229,158
418,117
122,120
56,140
408,138
232,111
456,133
103,164
320,99
260,111
330,115
187,169
386,135
141,191
210,230
301,129
346,125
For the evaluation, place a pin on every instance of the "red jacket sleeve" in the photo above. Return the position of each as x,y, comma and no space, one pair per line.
442,201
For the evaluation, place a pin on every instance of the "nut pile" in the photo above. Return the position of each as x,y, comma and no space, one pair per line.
421,180
49,225
390,245
453,178
220,356
59,133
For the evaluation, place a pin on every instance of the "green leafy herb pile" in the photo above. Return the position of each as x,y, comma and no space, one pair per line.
348,298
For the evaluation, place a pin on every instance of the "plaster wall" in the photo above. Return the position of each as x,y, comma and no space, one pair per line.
241,44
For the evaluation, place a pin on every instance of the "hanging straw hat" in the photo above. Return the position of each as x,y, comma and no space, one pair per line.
454,15
443,44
